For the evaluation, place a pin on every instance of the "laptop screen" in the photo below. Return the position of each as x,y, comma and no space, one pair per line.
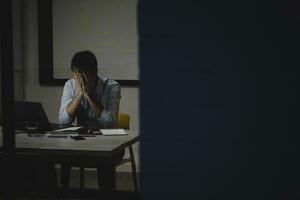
26,111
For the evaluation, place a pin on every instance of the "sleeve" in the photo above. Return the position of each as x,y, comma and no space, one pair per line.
109,115
67,97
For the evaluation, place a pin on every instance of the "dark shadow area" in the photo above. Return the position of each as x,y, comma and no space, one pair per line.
219,99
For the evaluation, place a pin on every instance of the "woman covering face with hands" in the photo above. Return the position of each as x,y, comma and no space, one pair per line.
92,99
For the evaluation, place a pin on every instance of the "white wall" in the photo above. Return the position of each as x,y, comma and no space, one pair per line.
49,96
106,27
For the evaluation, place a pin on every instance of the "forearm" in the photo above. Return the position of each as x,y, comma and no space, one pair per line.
73,105
109,115
96,107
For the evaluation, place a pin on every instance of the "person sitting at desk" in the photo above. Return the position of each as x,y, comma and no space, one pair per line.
92,99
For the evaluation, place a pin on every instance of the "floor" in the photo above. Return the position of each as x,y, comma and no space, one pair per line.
123,181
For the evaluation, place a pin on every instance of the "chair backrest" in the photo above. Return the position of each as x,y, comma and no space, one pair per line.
123,121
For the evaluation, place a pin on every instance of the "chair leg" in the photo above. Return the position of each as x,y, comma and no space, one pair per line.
106,178
133,167
81,172
65,175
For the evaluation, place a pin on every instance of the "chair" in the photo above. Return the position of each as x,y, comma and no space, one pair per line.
123,122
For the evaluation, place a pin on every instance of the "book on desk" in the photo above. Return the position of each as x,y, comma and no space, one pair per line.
85,132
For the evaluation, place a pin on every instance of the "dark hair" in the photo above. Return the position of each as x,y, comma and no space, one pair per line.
84,61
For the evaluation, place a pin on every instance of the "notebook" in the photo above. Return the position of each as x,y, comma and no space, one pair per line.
113,132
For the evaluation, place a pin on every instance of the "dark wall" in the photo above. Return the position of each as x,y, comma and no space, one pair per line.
219,100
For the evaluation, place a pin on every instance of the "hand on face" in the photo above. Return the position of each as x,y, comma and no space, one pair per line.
83,83
78,83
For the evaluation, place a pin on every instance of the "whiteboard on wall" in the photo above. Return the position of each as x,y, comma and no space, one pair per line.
105,27
108,28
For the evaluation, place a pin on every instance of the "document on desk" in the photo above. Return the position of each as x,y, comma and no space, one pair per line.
113,132
69,129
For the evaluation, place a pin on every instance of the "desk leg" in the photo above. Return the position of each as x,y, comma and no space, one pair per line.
106,178
65,175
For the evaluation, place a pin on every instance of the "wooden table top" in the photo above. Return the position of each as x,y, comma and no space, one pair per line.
92,146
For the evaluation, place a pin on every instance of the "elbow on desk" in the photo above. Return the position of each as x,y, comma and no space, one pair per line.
109,123
63,119
107,120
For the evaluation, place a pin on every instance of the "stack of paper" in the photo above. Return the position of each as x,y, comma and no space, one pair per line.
113,132
69,129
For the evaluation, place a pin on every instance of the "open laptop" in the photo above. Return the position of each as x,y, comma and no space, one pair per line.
26,111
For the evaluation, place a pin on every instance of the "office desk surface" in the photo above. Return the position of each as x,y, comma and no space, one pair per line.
92,146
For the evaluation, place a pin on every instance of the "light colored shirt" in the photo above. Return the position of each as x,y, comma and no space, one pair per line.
107,92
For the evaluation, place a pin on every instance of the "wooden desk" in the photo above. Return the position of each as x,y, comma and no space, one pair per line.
99,150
